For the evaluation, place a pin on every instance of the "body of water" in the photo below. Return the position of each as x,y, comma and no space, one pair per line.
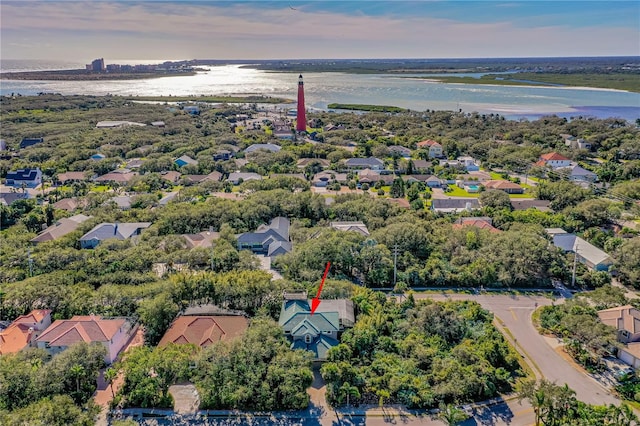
322,89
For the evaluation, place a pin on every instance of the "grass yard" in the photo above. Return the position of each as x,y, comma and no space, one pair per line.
459,192
100,188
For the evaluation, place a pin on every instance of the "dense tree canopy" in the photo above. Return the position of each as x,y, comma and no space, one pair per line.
418,354
255,372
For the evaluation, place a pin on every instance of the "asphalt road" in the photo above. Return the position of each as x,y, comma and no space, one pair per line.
515,312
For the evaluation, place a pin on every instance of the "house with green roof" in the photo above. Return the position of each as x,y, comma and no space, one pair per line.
318,332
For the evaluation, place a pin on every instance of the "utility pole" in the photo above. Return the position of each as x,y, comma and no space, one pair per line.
395,264
575,261
30,262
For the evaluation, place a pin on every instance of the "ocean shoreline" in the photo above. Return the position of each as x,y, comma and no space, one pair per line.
83,75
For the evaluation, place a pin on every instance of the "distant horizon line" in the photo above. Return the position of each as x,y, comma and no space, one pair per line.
335,59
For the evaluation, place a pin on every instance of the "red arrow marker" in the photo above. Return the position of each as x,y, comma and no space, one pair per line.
315,302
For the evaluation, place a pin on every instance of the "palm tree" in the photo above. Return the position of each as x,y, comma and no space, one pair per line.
538,401
110,375
77,370
451,415
348,390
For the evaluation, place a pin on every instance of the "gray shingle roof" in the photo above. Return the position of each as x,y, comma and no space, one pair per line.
573,243
364,162
455,203
121,231
266,146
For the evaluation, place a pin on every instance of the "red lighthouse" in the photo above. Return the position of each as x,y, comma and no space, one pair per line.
301,123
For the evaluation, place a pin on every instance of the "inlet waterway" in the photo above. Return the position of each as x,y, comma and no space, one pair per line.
323,88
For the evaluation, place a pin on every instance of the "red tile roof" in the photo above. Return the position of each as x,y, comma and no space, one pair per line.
428,142
553,156
478,223
81,329
203,330
15,338
18,335
33,316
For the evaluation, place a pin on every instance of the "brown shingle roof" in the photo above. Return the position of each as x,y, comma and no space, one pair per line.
171,176
203,330
61,228
622,317
501,184
70,204
63,177
478,223
121,177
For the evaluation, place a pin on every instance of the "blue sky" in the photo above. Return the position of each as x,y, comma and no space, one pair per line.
118,29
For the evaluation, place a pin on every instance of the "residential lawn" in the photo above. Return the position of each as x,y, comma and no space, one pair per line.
100,188
268,131
459,192
526,186
496,176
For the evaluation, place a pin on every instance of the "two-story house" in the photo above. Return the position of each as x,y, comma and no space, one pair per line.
271,240
469,163
28,178
435,149
553,160
317,332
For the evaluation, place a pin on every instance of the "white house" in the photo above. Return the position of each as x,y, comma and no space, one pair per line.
29,178
578,174
435,149
553,160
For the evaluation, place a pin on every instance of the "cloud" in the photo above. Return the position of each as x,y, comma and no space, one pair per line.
249,30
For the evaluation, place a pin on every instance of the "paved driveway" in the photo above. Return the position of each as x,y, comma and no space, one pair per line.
515,313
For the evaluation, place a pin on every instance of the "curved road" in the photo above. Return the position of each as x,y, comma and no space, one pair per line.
515,313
